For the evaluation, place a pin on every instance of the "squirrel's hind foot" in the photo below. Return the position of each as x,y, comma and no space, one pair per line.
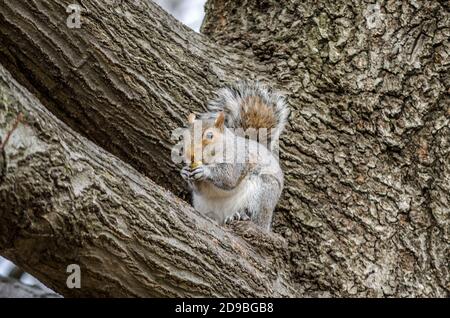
238,216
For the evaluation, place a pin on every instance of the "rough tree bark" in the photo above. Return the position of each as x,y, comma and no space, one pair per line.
129,67
65,201
366,155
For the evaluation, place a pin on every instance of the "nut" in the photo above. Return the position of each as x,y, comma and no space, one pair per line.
196,164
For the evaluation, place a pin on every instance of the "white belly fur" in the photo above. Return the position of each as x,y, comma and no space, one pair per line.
220,204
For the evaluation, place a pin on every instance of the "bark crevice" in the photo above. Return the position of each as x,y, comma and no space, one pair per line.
66,201
366,155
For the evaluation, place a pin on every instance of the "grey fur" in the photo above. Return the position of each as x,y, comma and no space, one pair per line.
229,99
231,191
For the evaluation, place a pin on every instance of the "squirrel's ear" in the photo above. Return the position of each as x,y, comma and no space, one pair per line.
191,118
220,120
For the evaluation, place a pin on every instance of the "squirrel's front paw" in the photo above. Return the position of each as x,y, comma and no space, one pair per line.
199,173
185,172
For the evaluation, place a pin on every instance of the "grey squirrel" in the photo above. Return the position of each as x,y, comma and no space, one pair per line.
233,177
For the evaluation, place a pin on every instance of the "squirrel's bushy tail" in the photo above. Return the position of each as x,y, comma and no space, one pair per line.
252,105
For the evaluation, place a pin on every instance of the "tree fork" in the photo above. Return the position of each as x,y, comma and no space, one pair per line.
125,79
366,153
63,200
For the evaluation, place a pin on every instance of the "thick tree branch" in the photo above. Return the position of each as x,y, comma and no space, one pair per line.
366,155
63,200
125,79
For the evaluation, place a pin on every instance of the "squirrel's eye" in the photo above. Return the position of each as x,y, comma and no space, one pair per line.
209,135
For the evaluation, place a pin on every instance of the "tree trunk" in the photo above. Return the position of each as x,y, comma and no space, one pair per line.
366,154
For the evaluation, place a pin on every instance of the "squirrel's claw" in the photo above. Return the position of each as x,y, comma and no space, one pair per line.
238,216
185,173
198,173
232,218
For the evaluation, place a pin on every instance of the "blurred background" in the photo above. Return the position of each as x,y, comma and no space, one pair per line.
191,13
